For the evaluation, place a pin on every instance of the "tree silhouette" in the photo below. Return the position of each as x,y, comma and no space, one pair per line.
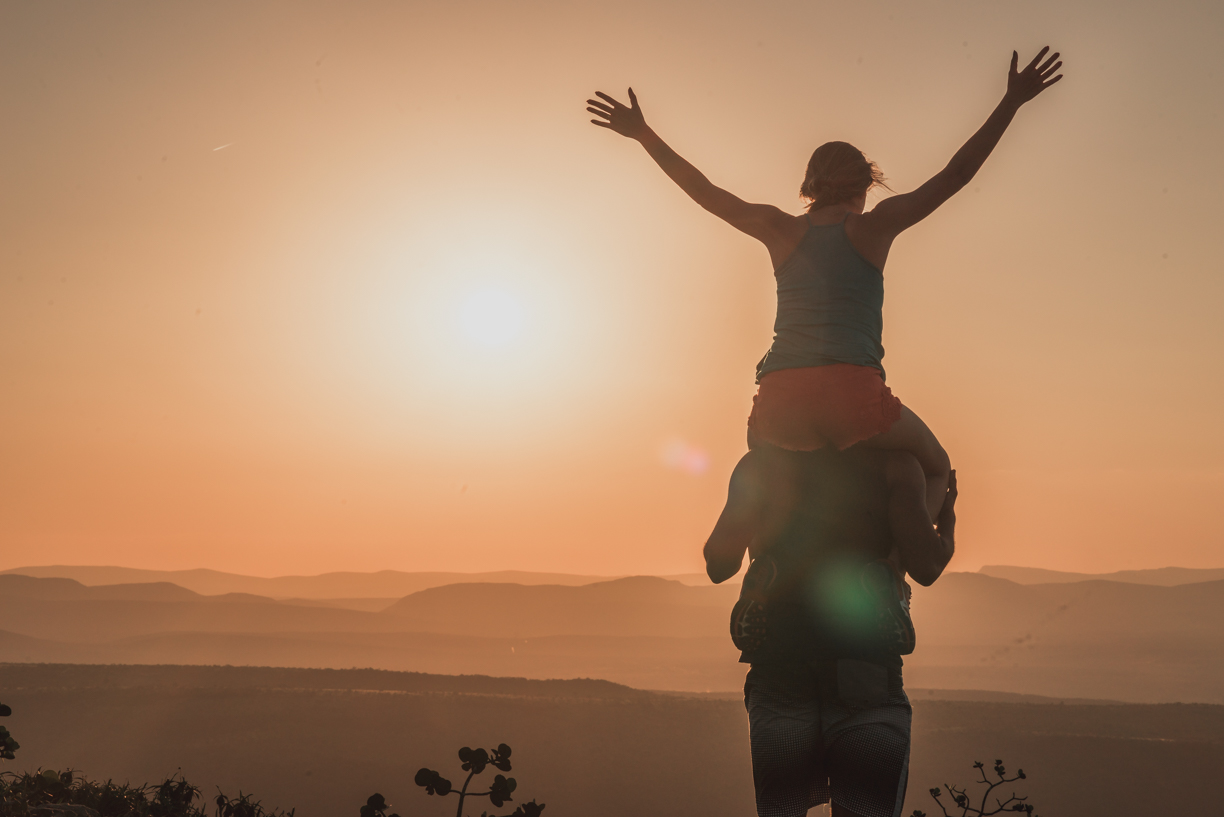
961,805
474,762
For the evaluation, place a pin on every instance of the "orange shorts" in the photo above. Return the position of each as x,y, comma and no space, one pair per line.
809,408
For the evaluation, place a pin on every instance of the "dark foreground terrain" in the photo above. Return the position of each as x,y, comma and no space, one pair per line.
323,740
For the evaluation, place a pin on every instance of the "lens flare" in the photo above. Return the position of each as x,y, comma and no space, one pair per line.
679,455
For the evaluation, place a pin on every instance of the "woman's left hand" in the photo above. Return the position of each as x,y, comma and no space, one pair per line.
1023,86
625,120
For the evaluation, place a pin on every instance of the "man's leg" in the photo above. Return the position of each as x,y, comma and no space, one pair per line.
787,760
842,811
867,755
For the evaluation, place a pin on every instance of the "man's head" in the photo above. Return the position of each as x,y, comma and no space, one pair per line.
824,499
860,502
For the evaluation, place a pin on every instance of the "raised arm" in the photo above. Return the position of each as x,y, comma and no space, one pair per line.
925,550
761,221
897,213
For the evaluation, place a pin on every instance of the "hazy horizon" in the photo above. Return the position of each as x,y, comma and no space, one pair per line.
979,569
292,288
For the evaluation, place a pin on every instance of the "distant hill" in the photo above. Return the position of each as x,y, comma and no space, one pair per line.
345,585
1163,576
689,664
27,587
976,609
640,606
67,610
635,606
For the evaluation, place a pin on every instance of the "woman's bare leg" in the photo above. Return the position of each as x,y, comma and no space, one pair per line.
911,434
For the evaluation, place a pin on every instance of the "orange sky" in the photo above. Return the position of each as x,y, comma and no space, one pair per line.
240,243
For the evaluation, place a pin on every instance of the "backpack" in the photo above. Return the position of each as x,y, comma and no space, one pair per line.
886,593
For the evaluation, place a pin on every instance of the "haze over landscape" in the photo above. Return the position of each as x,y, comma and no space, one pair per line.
359,400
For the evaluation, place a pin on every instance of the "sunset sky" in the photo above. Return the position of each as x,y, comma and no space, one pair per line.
297,287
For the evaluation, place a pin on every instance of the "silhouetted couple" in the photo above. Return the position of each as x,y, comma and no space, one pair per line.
836,497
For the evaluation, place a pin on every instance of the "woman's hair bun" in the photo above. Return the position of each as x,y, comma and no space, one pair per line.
837,172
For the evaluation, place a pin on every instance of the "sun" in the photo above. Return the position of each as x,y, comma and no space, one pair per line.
491,318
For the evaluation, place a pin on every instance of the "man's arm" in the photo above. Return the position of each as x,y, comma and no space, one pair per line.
739,523
925,550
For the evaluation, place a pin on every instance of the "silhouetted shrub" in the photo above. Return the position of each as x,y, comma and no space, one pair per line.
961,805
474,762
244,806
376,806
7,745
47,792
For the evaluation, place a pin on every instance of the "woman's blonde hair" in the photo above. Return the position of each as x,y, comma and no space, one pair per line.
837,172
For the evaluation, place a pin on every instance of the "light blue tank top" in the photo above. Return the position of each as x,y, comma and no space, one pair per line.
830,306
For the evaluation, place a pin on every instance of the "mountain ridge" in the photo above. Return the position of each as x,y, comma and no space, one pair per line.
1161,576
338,584
1092,639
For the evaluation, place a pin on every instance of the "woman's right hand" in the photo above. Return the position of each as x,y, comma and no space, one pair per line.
1022,86
627,121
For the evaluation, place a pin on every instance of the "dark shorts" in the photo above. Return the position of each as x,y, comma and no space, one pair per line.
806,409
821,732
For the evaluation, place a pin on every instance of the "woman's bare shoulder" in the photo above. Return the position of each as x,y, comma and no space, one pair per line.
785,236
868,237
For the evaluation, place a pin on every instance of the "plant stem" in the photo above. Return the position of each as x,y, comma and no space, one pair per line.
463,792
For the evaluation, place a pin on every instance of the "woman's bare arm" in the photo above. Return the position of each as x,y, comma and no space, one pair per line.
897,213
761,221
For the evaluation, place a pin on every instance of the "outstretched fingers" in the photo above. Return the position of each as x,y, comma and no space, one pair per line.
619,118
1039,74
608,99
1037,58
1045,78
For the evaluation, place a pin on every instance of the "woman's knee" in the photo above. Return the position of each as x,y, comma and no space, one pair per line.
932,456
940,464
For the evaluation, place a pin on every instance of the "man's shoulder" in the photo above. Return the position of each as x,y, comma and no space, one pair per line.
866,467
856,470
901,468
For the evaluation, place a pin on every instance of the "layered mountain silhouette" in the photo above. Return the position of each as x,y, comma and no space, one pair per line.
1164,576
383,584
1092,639
636,606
